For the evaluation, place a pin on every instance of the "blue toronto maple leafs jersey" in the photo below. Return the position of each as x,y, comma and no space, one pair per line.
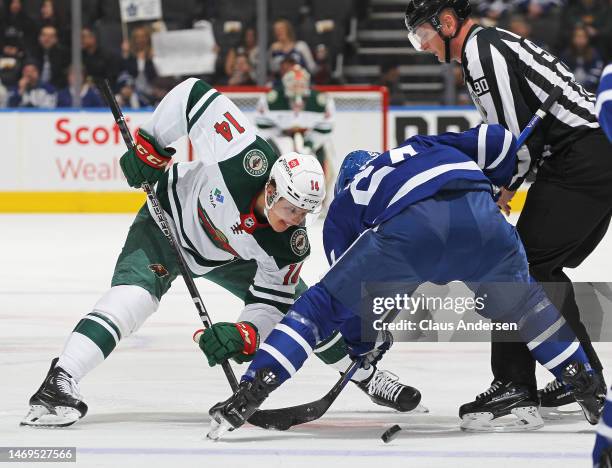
603,107
418,169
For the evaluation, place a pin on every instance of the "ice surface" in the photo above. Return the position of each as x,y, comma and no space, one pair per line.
148,403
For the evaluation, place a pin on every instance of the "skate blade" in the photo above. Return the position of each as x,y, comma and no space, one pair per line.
559,412
527,418
40,416
219,426
420,409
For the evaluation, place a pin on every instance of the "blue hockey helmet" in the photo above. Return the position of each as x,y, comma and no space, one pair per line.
351,165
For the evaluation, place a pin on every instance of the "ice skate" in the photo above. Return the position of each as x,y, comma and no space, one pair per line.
234,412
557,400
587,390
385,389
57,403
504,407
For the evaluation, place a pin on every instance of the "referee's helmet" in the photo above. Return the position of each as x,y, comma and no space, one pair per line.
420,11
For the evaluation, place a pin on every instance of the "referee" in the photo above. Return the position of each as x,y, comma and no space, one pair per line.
568,207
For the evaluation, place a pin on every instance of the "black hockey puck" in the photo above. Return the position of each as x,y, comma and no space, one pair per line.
390,434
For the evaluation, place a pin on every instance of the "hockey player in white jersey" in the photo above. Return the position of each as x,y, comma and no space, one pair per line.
237,213
296,117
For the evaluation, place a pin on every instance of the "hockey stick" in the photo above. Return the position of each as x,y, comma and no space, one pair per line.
282,419
532,124
160,219
538,116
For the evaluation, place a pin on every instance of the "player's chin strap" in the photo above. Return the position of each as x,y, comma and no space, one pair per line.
435,22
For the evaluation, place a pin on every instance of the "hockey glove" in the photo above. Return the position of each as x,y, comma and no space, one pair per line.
371,354
145,162
225,340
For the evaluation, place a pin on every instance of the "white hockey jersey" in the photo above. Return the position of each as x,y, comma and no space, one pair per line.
211,200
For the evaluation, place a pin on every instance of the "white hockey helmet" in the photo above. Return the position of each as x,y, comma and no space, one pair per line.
299,179
296,82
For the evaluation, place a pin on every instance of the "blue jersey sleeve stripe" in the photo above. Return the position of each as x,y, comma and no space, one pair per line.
429,174
482,145
504,151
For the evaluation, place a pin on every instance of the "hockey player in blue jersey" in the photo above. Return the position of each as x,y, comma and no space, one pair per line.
418,213
602,453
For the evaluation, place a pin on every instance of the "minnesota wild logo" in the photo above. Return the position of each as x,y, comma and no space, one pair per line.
255,163
299,242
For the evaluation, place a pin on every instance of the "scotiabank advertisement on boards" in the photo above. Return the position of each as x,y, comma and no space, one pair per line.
66,151
80,151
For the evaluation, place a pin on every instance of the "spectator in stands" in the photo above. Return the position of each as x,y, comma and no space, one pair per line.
137,61
583,59
49,16
30,92
242,74
11,59
391,79
492,12
584,12
323,69
519,26
99,63
127,95
17,24
285,45
248,47
52,58
89,93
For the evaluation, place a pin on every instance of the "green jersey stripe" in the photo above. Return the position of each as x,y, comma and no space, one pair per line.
271,297
250,299
199,113
108,321
198,90
97,333
273,292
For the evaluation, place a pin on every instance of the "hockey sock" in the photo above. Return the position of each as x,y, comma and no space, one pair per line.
550,339
604,430
334,353
286,348
116,315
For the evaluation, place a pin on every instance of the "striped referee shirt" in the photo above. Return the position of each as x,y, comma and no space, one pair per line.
509,77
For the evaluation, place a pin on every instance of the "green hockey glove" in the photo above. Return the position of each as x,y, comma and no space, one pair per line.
225,340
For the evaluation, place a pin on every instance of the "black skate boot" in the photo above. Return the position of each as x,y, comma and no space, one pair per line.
57,403
385,389
556,397
587,390
232,413
502,399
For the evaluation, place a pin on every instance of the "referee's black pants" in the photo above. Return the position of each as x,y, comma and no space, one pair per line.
566,214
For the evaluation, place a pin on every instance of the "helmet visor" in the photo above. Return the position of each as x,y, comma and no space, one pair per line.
290,213
421,35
